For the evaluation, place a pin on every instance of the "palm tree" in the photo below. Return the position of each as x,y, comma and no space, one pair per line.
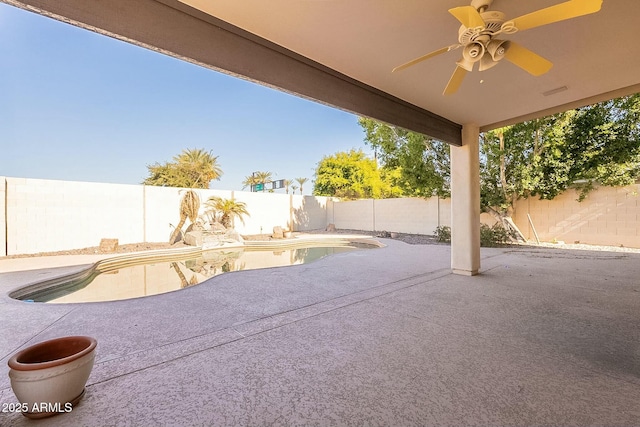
287,183
249,181
301,181
199,165
263,178
294,188
189,206
193,168
257,178
228,209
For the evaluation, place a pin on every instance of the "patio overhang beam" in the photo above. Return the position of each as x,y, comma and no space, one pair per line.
178,30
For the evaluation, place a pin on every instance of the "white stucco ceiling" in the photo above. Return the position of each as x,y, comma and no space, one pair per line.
366,39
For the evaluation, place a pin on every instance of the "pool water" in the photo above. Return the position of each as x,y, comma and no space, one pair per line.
161,277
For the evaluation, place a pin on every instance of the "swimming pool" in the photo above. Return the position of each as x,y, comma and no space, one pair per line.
157,272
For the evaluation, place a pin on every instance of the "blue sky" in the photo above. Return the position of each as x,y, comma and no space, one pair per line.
79,106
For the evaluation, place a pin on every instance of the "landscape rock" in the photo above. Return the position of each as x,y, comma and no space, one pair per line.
193,238
108,245
278,233
331,228
218,228
234,235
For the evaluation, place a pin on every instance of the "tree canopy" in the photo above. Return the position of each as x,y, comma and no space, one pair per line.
351,175
192,168
597,144
418,165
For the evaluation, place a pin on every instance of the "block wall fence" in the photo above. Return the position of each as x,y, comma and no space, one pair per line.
46,215
39,215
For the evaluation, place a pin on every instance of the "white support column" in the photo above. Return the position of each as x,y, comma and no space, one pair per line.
465,203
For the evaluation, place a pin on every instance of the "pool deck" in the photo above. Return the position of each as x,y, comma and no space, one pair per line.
381,337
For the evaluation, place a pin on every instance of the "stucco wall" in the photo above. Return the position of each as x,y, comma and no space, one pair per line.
309,212
354,215
45,215
407,215
267,211
48,215
404,215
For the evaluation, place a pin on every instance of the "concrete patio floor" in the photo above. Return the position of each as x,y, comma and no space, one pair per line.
381,337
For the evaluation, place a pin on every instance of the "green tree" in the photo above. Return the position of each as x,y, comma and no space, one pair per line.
597,144
351,175
301,181
227,209
415,163
189,206
192,168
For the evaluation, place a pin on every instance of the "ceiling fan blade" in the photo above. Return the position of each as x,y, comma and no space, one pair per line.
468,16
559,12
527,60
424,57
455,81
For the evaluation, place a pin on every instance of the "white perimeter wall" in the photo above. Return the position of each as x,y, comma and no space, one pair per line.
46,215
403,215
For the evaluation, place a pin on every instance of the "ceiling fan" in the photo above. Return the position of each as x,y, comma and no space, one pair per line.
480,28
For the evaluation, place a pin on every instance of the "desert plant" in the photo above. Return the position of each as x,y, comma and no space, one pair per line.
189,206
227,209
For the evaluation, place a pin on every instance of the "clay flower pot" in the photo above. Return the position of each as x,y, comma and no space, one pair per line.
48,378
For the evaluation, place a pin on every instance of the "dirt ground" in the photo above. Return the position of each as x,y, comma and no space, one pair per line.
413,239
147,246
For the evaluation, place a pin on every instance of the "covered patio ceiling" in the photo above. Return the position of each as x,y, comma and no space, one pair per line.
594,56
342,52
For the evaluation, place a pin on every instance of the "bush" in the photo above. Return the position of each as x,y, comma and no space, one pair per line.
489,236
493,236
443,233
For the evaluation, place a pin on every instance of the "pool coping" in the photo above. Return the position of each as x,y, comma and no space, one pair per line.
20,291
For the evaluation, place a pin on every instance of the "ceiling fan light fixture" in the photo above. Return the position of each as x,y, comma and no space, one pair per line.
487,62
498,48
472,53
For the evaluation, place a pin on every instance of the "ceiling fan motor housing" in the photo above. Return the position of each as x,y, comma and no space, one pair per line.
493,21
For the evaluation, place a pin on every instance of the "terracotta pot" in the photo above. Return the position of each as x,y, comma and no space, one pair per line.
48,378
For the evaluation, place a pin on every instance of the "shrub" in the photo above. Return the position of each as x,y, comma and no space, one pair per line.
443,233
489,236
493,236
